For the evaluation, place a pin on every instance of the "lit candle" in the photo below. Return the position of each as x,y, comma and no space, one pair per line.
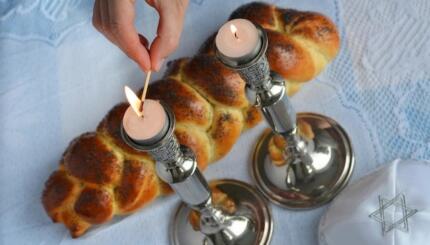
238,39
144,122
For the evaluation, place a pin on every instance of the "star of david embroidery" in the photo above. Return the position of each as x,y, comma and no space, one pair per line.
392,220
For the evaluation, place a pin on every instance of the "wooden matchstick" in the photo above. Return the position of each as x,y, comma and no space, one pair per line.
145,89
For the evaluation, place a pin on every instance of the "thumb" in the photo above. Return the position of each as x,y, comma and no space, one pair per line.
169,29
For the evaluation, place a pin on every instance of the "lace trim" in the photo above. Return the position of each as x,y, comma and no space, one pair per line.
45,20
48,21
389,87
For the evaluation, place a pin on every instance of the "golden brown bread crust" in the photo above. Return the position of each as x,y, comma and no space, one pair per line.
91,180
90,160
219,84
260,13
138,186
301,43
314,27
110,128
197,141
74,222
94,205
187,104
58,190
252,117
100,176
61,191
217,119
227,126
288,58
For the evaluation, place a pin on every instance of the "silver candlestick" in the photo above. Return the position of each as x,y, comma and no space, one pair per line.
177,166
316,168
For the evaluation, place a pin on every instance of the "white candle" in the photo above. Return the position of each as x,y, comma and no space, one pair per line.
143,123
237,38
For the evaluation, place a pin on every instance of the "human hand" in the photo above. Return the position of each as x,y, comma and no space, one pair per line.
115,19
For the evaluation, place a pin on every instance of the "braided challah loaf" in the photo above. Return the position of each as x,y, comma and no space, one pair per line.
100,176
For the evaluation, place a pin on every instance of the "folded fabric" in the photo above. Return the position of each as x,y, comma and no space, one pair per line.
389,206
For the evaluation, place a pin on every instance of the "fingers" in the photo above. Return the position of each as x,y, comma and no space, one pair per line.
101,19
97,18
169,29
121,16
115,19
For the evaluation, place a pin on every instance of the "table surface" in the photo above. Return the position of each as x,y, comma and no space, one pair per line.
59,76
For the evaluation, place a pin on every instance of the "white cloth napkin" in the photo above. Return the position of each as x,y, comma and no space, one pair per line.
347,219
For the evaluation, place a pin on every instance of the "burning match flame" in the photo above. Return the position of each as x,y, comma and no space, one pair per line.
135,102
233,30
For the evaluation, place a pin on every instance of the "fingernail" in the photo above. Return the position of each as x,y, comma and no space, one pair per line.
160,63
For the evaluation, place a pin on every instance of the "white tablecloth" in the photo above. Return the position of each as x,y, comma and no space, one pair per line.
59,76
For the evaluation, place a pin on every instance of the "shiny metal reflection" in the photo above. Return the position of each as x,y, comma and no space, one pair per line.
252,218
330,168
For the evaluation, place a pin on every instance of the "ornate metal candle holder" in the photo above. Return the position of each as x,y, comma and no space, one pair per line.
316,168
177,166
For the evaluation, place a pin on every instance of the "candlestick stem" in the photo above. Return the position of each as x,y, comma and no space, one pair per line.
316,168
177,165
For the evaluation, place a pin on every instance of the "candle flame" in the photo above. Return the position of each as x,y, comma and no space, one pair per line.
233,30
134,101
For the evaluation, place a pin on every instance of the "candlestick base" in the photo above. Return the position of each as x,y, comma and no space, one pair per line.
253,218
304,186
